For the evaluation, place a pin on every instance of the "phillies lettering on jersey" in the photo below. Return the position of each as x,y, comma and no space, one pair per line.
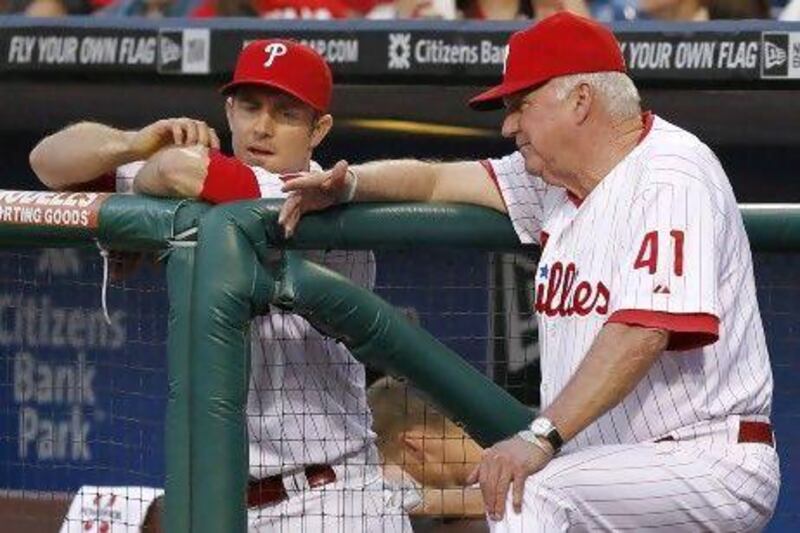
555,294
644,248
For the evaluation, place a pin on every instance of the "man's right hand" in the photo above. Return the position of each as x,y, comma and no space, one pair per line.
312,191
172,132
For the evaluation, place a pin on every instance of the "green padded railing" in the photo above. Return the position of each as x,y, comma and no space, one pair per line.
125,222
772,227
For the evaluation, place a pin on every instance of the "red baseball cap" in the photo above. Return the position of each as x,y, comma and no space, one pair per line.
287,65
559,45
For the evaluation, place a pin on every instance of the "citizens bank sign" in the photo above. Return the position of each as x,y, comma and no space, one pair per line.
84,394
55,398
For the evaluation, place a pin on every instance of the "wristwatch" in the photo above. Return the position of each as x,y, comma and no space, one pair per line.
543,428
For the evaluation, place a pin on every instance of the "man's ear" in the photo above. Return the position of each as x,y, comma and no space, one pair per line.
229,111
321,128
583,100
413,443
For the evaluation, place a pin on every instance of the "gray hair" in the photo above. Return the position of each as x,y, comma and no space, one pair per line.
616,90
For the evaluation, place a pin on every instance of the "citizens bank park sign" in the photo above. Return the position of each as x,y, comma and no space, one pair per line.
397,52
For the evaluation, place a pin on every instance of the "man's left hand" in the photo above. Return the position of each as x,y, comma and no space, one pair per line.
507,463
311,191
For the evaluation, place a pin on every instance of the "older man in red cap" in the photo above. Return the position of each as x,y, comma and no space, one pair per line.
314,465
656,384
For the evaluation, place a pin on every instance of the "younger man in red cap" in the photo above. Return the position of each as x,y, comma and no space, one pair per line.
655,372
314,465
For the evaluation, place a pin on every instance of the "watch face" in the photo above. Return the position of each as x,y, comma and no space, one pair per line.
540,426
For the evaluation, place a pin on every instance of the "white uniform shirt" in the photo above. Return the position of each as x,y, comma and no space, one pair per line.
660,243
791,11
306,402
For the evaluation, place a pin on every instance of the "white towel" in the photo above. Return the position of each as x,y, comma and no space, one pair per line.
109,509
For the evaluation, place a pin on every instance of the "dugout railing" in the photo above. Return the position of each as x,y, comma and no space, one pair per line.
220,275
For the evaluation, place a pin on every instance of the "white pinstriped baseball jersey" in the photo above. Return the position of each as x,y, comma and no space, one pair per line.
659,242
306,402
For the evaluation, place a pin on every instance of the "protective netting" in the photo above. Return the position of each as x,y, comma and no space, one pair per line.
82,401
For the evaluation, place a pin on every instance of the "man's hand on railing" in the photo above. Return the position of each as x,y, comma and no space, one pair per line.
315,191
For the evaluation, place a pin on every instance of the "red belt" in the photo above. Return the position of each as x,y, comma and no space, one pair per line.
270,490
760,432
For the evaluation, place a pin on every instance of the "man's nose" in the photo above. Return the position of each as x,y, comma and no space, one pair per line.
510,125
264,124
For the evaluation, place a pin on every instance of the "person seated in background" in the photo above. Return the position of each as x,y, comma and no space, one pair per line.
143,8
413,9
119,8
275,9
478,9
738,9
61,8
496,9
426,454
673,10
544,8
689,10
11,7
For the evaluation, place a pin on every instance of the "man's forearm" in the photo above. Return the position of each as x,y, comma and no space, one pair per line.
399,180
80,153
419,181
462,502
617,361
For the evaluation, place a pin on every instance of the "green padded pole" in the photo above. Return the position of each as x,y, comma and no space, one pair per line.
177,430
229,287
380,336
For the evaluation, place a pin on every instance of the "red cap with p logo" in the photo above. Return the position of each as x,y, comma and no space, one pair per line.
286,65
